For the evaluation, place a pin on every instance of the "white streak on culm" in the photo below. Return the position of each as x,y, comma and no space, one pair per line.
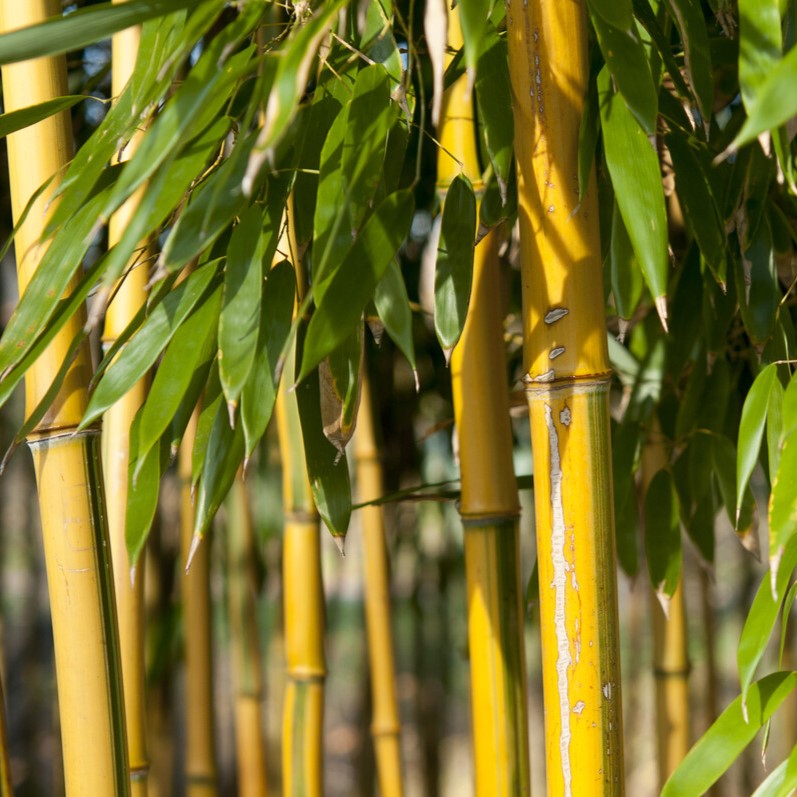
560,568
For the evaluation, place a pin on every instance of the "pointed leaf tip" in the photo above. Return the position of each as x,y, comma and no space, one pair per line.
341,543
661,309
195,543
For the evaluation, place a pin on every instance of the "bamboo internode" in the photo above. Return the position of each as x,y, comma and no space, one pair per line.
489,504
567,379
68,470
200,756
385,724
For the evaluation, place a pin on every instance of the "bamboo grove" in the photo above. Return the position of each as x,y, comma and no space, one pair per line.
579,215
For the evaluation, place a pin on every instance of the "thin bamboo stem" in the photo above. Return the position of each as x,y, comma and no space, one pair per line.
567,377
200,757
670,652
303,711
67,464
129,585
246,656
489,505
6,787
385,724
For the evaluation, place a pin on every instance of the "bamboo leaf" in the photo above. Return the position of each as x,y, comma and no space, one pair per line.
139,355
626,59
634,169
142,492
345,299
212,404
84,26
627,285
760,45
783,500
370,118
625,442
759,292
454,270
699,204
393,307
24,117
494,100
327,468
239,323
728,736
724,460
762,617
688,16
295,59
782,781
223,456
473,15
193,344
662,536
775,436
260,391
751,428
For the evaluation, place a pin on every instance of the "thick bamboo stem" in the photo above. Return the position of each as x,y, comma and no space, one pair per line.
489,505
670,652
567,377
250,741
129,586
303,711
200,757
385,724
68,471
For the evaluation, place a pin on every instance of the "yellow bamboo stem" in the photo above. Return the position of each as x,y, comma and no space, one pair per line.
129,586
303,710
385,723
200,757
567,376
670,653
250,741
68,470
489,505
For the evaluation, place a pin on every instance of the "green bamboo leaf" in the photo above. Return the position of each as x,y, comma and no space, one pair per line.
214,204
627,285
473,16
760,45
260,391
327,468
295,60
759,291
625,443
368,258
139,355
454,270
782,781
774,104
85,26
223,456
762,617
751,428
775,436
142,492
699,204
588,131
494,100
212,404
193,344
626,59
192,107
788,603
783,500
662,536
370,118
688,16
789,408
393,307
239,323
634,169
728,736
724,470
24,117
